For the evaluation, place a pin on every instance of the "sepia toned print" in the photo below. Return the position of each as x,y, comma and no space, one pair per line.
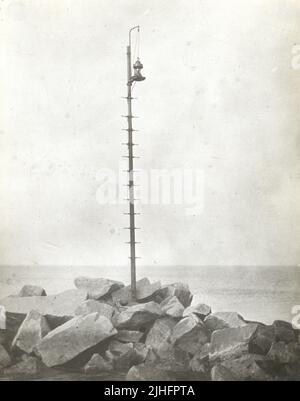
149,188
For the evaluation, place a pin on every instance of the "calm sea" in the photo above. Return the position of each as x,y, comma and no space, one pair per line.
257,293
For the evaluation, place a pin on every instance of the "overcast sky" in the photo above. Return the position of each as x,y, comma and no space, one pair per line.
220,96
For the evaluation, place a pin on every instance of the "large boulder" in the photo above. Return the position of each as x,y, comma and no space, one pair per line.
97,288
200,361
32,291
2,318
231,343
172,307
160,332
137,316
57,308
262,340
223,320
5,359
168,358
143,372
123,296
125,355
73,338
145,292
213,323
129,336
292,372
97,364
200,310
221,374
141,351
283,353
30,333
28,366
3,337
247,367
122,355
189,334
179,290
92,306
284,331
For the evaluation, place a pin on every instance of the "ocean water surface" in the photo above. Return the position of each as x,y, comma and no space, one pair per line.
257,293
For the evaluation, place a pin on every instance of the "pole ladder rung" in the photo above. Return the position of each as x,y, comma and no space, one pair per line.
131,228
134,157
131,185
127,129
130,171
134,257
130,116
134,242
131,199
132,213
129,144
128,97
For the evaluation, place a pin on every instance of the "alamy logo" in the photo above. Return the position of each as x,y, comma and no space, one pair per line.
154,187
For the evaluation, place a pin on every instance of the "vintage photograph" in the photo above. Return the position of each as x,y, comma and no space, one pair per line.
149,192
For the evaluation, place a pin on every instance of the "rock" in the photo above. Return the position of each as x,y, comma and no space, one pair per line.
13,322
291,372
97,364
200,361
189,334
213,323
30,333
92,306
284,331
200,310
3,337
147,373
141,351
160,332
129,336
123,296
282,353
74,337
232,319
118,348
145,292
168,358
231,342
32,291
5,359
172,307
220,373
29,366
183,327
97,288
126,355
179,290
57,308
247,367
2,318
137,316
223,320
262,340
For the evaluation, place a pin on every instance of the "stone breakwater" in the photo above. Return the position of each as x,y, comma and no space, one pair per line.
98,330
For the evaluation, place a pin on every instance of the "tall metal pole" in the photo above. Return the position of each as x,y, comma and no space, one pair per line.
130,171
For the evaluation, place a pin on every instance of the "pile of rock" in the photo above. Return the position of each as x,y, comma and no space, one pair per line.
99,329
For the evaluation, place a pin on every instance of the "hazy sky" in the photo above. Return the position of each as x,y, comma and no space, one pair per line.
220,96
